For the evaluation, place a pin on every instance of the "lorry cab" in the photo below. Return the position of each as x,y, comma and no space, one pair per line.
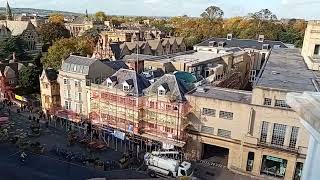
185,169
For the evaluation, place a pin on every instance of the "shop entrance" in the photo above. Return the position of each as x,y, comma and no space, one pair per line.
215,154
273,166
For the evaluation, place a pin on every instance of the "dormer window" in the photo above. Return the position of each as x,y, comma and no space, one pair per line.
126,88
212,43
265,46
276,46
229,37
261,38
163,89
109,84
221,44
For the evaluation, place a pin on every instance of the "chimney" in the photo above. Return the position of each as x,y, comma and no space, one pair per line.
229,37
14,56
261,38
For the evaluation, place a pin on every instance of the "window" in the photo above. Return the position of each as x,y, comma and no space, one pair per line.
276,46
224,133
109,84
207,130
264,132
267,102
46,86
67,94
265,46
281,103
317,49
67,105
209,112
77,84
78,96
294,137
161,92
79,108
126,88
278,135
11,81
66,81
226,115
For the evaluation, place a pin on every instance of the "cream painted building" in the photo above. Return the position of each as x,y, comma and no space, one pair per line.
76,74
311,45
256,132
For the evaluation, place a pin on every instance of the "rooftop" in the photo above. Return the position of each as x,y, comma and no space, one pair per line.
242,43
286,70
223,94
77,64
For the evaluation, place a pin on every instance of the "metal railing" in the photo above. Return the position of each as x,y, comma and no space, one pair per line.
279,147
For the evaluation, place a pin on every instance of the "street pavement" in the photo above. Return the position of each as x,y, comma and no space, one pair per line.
48,166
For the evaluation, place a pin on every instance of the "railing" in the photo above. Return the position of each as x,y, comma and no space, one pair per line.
279,147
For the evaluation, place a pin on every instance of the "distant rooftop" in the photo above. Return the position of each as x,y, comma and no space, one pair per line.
286,70
223,94
77,64
242,43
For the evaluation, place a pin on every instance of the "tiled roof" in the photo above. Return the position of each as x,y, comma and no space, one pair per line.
138,82
17,27
154,43
116,65
77,64
175,88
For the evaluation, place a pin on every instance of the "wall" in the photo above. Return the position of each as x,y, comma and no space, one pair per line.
311,38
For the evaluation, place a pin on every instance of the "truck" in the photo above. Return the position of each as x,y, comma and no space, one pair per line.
158,164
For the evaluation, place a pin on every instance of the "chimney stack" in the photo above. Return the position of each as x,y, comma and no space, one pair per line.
14,56
229,37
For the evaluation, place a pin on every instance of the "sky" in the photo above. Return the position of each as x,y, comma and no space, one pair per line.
307,9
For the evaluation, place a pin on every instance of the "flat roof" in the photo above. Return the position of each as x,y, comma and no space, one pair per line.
286,70
223,94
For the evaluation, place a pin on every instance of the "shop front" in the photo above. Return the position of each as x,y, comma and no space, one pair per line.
273,166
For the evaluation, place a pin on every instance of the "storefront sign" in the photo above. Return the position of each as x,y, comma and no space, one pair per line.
20,98
274,159
119,134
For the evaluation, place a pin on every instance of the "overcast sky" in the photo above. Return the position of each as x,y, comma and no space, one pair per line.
308,9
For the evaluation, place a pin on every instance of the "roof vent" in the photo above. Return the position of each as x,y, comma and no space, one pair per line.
261,38
275,72
229,37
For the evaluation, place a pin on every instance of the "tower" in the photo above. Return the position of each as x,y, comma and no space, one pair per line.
87,16
9,15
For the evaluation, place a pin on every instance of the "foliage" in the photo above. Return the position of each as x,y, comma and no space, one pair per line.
264,15
92,33
62,48
3,17
50,32
13,45
101,16
212,12
29,78
56,18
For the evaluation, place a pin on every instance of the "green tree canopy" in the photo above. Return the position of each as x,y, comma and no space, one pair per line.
50,32
29,78
92,33
62,48
13,45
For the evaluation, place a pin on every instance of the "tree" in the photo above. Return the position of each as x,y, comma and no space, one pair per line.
212,12
50,32
62,48
263,15
56,18
13,45
92,33
29,78
101,16
3,17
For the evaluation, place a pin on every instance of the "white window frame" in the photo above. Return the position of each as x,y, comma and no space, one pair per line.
267,102
208,112
126,88
226,115
224,133
281,104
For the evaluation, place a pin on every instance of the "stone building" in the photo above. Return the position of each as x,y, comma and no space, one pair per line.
256,132
75,75
50,91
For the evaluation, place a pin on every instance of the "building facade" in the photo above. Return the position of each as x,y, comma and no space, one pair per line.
50,91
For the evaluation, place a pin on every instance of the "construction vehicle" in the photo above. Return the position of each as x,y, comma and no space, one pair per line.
158,164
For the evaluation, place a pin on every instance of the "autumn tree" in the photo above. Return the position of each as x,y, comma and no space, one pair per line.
92,33
212,12
101,16
56,18
52,31
62,48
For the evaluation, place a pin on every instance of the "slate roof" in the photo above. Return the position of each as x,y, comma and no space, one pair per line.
154,43
77,64
175,88
17,27
242,43
286,70
223,94
14,66
139,83
51,74
116,65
